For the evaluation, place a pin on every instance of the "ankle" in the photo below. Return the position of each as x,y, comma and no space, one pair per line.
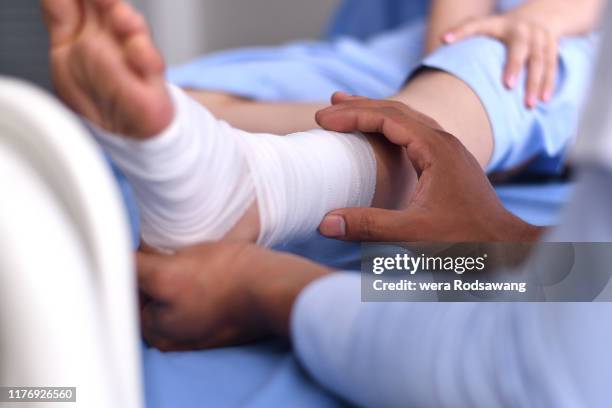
248,227
395,176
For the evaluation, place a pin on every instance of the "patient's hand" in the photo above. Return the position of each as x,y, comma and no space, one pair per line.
221,294
532,31
531,45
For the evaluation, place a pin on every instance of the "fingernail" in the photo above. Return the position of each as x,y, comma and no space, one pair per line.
449,37
532,101
333,226
511,81
547,96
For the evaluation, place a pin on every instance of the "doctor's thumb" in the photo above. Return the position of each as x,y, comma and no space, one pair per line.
367,224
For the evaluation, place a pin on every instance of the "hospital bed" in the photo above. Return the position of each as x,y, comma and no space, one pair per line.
67,293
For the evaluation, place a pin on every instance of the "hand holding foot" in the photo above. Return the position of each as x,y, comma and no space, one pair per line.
105,66
453,202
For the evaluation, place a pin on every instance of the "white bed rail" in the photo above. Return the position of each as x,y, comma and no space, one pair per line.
68,308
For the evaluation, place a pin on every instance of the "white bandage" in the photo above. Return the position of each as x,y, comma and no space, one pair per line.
196,180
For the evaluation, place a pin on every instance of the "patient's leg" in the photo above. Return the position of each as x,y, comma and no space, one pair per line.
200,179
454,106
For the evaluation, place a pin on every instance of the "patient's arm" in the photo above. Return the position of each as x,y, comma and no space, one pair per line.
531,33
259,117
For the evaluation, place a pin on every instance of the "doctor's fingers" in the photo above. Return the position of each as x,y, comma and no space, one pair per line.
163,342
163,328
375,225
166,329
343,101
400,124
426,147
158,276
151,326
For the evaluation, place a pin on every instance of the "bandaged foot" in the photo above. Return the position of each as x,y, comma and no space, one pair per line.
197,179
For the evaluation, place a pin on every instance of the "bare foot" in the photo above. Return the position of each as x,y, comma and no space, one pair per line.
106,67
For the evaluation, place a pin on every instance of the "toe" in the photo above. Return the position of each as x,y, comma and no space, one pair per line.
143,56
125,20
63,19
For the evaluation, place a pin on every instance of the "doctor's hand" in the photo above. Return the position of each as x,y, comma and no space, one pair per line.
454,200
219,294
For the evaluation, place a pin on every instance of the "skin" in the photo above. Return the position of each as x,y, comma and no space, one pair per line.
222,294
89,40
278,118
454,201
446,14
